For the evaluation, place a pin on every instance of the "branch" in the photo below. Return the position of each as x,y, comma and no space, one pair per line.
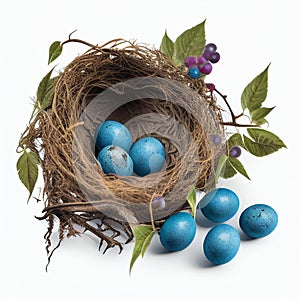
233,116
97,47
224,97
78,41
237,124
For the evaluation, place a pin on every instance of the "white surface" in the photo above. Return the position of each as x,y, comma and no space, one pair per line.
249,34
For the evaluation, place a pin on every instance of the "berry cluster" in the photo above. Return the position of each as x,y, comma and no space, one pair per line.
202,64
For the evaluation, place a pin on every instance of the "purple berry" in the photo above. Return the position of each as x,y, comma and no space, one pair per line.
158,202
201,61
206,69
217,139
190,61
211,87
211,48
215,57
206,54
194,73
235,151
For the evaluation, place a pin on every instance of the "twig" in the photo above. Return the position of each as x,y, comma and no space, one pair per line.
224,97
233,116
237,124
71,40
79,41
151,210
240,115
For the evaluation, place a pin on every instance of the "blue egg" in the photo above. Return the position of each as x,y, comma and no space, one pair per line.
115,160
178,231
221,244
113,133
219,205
148,155
258,220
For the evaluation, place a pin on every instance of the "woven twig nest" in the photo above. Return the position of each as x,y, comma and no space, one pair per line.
140,88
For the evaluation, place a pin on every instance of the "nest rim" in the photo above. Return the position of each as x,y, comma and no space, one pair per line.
56,125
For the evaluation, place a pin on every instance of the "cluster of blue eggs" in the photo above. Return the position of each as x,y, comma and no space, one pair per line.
222,242
118,155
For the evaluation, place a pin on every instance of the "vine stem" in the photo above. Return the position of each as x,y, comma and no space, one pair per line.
233,116
78,41
71,40
151,210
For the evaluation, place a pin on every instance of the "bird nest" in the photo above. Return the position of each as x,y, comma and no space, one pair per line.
142,89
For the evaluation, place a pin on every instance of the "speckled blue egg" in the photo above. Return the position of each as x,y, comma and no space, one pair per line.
148,155
113,133
219,205
115,160
178,231
258,220
221,244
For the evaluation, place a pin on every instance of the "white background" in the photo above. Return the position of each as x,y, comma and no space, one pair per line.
250,34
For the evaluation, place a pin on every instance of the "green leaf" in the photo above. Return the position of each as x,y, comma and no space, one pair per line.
147,242
259,114
260,122
220,167
229,166
238,166
55,51
264,142
191,199
235,140
189,43
45,92
27,167
143,235
255,92
48,99
229,170
167,46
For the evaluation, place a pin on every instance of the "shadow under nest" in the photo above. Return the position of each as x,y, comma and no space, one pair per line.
173,107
